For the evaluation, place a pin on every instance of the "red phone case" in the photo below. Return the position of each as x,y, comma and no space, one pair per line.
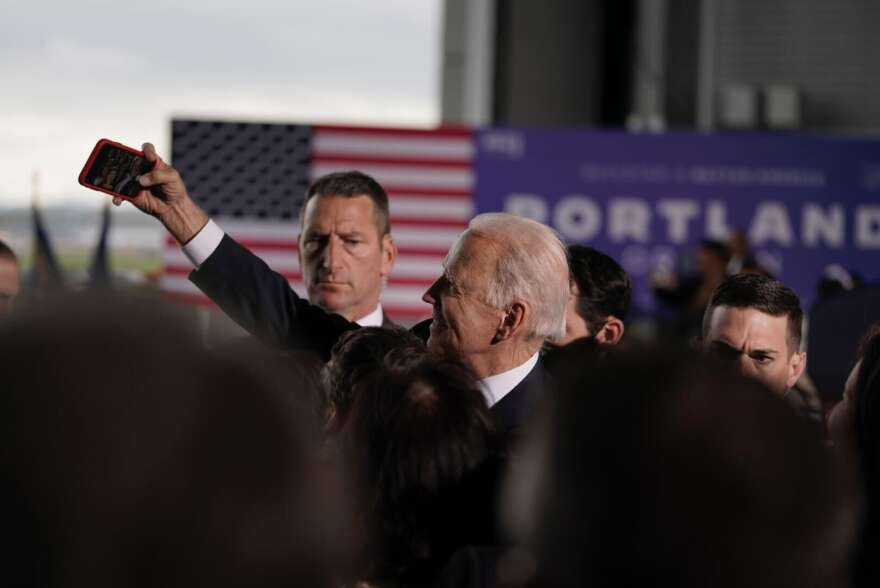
87,167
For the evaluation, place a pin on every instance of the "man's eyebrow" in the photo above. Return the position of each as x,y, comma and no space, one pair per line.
722,343
763,352
724,349
351,233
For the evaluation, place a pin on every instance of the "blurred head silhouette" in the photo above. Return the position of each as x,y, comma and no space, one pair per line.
418,431
666,469
130,458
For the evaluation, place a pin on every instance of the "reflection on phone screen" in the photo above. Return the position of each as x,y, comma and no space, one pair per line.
117,170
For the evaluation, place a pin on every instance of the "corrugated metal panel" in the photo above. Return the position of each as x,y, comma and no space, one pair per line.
829,49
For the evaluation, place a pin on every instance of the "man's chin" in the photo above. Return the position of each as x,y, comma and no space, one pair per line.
437,341
329,299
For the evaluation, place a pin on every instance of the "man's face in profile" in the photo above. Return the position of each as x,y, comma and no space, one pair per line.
462,323
343,258
9,285
758,343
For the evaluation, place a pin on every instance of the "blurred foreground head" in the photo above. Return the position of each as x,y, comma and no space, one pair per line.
418,432
665,469
855,424
354,357
129,458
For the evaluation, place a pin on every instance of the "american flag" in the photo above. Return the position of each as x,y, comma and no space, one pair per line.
251,179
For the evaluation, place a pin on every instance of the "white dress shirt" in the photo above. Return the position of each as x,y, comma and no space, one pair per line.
498,386
374,319
200,248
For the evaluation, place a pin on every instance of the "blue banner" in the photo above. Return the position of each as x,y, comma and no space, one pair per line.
804,202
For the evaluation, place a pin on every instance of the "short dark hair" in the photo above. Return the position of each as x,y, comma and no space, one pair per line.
7,252
763,294
350,184
354,355
605,288
418,428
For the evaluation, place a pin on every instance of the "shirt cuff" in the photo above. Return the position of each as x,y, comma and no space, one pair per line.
199,248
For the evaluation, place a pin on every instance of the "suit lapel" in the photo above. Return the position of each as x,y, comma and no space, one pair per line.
514,410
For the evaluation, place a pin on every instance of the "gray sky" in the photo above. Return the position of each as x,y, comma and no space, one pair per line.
73,72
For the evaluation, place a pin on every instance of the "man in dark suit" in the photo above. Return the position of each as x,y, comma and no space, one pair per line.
502,294
345,247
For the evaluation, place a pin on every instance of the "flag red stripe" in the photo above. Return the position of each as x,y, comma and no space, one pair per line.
278,245
449,196
391,190
186,297
356,161
450,131
397,223
397,312
177,270
394,312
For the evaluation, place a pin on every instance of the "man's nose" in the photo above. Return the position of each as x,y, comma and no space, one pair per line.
332,253
430,295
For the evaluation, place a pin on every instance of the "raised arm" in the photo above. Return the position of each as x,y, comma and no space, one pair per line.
242,285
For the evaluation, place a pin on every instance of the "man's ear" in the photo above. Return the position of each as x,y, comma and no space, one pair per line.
611,332
512,320
389,254
796,365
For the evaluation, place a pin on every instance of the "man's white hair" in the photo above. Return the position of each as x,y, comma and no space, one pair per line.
532,267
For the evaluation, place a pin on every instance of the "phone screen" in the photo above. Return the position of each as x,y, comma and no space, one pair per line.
117,170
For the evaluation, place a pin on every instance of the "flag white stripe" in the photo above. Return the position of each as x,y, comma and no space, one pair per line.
434,238
401,208
413,266
457,178
406,266
175,258
405,297
399,146
244,230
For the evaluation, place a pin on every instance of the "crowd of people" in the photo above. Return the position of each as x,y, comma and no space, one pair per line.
514,439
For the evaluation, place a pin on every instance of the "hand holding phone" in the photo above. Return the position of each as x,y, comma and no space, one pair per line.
115,169
150,184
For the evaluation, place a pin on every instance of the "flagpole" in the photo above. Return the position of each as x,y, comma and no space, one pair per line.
45,272
35,188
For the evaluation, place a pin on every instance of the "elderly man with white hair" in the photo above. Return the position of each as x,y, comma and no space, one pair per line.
502,294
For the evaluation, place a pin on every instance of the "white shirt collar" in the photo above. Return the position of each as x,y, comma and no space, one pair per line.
498,386
374,319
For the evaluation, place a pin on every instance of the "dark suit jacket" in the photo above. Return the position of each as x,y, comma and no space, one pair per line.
264,304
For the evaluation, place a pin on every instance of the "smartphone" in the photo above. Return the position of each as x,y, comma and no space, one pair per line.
114,168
